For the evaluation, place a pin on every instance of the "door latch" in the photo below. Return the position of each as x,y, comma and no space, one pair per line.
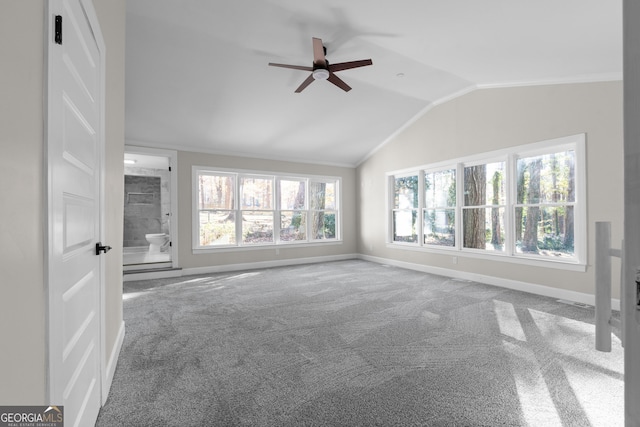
100,248
57,33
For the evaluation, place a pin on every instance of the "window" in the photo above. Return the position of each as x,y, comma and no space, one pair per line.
293,213
238,209
524,203
405,209
323,210
484,207
440,202
545,203
256,209
216,209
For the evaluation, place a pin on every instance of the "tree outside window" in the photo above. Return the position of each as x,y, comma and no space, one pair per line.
544,210
245,209
527,202
484,207
323,209
293,214
216,210
439,218
256,209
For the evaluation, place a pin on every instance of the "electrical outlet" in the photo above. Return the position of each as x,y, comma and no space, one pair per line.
454,259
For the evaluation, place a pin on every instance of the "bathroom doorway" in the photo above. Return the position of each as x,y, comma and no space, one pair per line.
150,220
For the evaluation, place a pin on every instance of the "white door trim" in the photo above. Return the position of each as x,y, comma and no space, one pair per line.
631,313
173,163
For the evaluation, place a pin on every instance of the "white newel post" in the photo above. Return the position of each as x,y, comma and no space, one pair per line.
603,286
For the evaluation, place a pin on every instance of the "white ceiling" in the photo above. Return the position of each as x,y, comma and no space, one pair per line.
197,75
136,160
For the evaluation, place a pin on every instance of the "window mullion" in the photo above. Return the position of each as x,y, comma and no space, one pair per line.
307,209
510,201
308,206
390,202
459,205
421,206
238,210
277,209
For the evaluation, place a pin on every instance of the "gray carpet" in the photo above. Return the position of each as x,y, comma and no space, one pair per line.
355,343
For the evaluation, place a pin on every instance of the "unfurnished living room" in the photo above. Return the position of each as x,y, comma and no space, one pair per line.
279,213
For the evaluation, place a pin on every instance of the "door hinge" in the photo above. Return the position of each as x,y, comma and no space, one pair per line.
58,29
169,168
170,243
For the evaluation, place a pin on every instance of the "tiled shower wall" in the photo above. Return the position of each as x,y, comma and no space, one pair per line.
147,202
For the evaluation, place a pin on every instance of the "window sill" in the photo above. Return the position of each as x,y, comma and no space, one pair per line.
270,246
514,259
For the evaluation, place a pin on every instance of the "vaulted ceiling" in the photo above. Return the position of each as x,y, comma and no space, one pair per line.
197,76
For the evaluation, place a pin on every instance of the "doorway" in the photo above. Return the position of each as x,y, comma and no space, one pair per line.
149,229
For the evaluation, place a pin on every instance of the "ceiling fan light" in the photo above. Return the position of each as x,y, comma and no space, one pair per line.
320,74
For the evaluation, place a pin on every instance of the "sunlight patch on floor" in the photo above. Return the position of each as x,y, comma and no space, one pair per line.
536,403
601,396
131,295
508,320
577,339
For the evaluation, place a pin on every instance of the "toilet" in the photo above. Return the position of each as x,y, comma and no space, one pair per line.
157,242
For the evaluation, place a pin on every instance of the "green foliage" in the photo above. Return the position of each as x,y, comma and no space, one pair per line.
554,243
407,185
329,227
214,232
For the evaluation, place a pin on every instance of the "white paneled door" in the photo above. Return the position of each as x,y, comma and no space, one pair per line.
75,145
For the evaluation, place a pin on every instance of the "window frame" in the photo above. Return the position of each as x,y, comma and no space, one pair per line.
418,209
578,262
507,218
425,208
276,178
279,209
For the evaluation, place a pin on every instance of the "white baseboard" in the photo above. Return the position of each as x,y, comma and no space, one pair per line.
110,368
266,264
517,285
146,275
234,267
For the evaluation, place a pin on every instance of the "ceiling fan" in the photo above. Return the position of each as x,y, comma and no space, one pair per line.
322,70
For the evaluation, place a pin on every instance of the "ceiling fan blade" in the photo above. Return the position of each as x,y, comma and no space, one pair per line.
295,67
348,65
338,82
318,52
305,83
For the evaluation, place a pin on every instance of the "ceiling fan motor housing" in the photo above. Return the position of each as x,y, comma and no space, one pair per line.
320,74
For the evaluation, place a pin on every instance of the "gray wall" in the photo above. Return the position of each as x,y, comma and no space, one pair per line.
142,216
22,301
491,119
189,260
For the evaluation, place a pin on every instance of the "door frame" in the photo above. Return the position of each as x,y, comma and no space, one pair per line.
631,250
52,332
173,163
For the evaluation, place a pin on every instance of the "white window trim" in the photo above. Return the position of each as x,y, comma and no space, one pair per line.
196,170
509,155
